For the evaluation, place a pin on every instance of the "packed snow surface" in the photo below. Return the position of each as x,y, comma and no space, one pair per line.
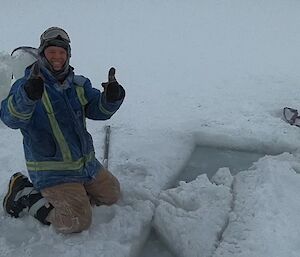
201,72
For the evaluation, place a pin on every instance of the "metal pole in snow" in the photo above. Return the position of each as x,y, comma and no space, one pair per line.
106,146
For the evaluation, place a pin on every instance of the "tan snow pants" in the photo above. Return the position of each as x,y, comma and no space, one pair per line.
72,201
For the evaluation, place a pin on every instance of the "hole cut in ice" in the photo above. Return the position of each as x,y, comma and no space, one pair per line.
207,160
203,160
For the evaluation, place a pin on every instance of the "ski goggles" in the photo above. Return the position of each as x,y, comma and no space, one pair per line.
53,33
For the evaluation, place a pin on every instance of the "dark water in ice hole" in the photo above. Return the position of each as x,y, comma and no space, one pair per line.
203,160
208,160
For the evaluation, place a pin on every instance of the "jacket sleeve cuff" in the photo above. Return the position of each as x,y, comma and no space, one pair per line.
109,108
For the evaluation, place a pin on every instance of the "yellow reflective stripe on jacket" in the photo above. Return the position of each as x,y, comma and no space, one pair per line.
83,101
14,112
60,165
66,153
81,96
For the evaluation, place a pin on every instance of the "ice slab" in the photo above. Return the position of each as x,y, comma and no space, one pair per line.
218,164
5,75
191,217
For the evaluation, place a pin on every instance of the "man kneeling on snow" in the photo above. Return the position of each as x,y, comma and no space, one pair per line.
49,105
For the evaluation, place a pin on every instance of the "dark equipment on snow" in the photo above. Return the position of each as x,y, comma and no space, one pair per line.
291,116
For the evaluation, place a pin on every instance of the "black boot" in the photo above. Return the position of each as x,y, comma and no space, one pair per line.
22,195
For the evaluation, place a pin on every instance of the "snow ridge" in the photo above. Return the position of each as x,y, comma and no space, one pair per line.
264,205
223,176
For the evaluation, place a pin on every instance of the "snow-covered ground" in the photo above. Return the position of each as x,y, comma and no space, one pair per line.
198,72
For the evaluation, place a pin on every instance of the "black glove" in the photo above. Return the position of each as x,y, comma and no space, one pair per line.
112,89
34,88
113,92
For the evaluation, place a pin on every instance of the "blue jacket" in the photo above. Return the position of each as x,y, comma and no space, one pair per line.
58,148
